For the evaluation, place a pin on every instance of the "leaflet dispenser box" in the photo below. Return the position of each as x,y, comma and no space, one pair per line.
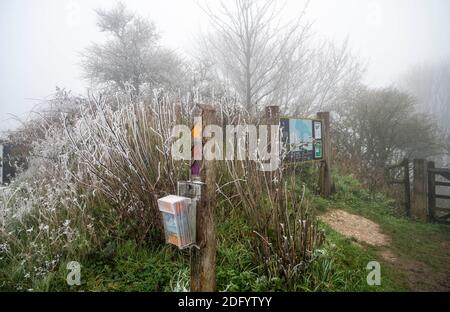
179,217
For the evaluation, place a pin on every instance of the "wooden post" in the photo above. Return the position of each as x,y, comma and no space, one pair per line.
419,207
272,115
178,113
407,187
203,259
431,192
272,118
325,166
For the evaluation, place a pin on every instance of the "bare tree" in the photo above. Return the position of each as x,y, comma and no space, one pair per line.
246,47
265,60
321,80
131,57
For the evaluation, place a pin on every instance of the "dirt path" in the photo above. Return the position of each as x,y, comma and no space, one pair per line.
361,229
418,275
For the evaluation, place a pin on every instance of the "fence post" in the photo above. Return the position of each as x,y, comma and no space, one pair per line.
325,166
272,118
419,207
407,187
203,259
431,191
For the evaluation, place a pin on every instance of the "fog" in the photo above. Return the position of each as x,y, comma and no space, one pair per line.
41,40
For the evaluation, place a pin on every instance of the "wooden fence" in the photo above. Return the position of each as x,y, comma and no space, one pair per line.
421,198
438,213
404,181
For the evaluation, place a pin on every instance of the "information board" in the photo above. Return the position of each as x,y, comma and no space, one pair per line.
301,139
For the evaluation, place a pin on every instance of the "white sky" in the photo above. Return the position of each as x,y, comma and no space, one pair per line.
40,39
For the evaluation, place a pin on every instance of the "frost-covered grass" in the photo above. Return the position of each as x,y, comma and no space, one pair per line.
95,169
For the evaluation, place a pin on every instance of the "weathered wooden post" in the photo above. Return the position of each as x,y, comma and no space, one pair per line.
419,207
325,166
272,115
431,191
203,258
272,118
178,113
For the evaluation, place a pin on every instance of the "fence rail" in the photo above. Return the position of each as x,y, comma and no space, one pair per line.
432,195
404,165
439,170
420,200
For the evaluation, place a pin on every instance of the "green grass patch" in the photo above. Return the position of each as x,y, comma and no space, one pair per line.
416,240
340,264
348,266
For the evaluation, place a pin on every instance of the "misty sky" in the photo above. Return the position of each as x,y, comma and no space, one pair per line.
41,39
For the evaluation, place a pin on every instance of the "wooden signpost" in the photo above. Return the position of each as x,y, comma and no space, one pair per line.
203,256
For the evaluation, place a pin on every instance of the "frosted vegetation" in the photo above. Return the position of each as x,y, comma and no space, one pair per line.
96,170
106,153
96,164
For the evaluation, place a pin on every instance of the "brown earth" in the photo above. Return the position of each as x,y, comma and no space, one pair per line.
361,229
418,275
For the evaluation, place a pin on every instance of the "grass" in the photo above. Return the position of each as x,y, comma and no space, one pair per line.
410,239
345,268
340,264
123,265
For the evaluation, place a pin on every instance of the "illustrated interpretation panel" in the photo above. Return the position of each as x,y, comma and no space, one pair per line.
302,139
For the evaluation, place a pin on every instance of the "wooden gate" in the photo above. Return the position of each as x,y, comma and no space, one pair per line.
401,176
438,178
